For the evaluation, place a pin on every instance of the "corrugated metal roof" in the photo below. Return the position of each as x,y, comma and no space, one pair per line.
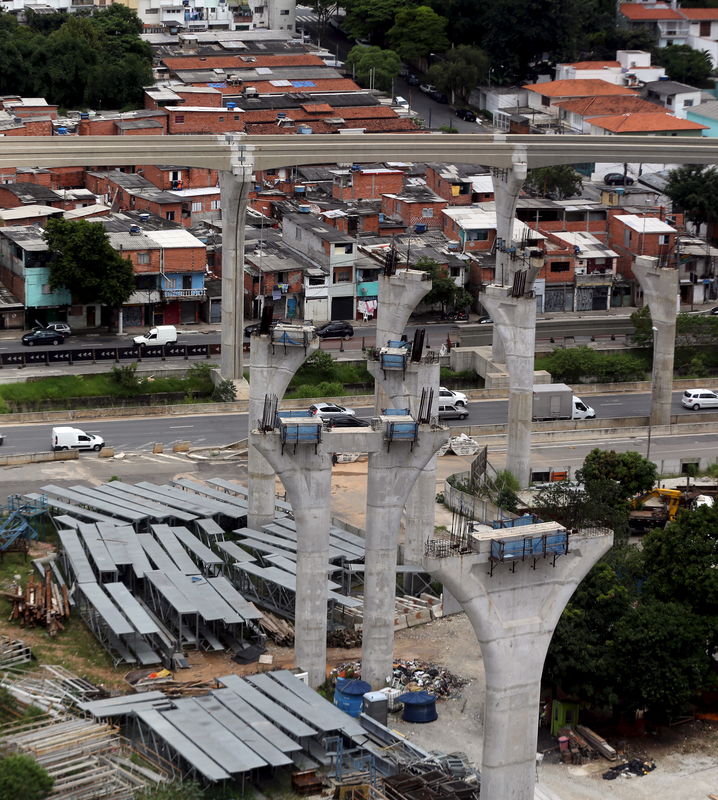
174,238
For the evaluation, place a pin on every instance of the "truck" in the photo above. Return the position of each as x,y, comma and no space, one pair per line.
557,401
66,438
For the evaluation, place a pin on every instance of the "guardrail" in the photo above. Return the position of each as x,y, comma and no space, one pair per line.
91,355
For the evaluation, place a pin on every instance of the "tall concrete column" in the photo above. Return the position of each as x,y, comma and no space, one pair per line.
399,295
404,391
306,473
515,324
391,475
660,290
272,367
307,478
514,614
507,187
234,188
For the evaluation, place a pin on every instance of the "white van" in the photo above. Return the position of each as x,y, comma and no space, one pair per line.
75,439
162,334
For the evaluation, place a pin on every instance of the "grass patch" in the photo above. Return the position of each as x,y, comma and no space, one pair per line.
322,376
122,383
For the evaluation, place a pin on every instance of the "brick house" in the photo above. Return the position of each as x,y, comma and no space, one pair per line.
366,183
418,207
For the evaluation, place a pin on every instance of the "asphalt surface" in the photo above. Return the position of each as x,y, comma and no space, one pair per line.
140,434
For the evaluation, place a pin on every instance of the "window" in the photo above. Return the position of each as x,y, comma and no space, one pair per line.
342,275
236,116
179,119
221,119
170,215
627,238
664,238
427,213
284,12
560,266
545,101
175,175
705,30
669,101
143,258
215,205
196,206
687,103
478,235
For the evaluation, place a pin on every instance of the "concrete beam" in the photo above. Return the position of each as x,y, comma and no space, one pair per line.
660,290
514,614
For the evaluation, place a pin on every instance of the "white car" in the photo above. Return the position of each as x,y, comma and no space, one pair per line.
699,398
450,396
329,410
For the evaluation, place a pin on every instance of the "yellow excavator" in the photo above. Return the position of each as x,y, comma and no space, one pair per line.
642,518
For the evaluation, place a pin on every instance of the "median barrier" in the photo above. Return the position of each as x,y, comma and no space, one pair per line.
16,459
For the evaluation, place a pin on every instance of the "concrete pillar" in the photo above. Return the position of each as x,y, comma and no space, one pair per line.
404,391
391,475
515,324
660,290
507,186
272,367
514,615
234,187
307,478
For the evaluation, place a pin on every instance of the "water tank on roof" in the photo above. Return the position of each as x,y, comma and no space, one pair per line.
281,114
304,129
135,230
61,131
144,216
251,91
420,228
664,78
231,105
304,208
355,168
300,189
84,115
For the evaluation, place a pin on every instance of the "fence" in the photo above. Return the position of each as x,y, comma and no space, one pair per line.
91,355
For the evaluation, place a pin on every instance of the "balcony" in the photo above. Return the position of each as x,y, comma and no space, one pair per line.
594,278
184,293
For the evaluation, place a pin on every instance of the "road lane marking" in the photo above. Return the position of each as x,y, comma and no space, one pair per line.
180,426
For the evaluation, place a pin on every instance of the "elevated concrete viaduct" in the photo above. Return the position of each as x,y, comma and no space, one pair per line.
238,155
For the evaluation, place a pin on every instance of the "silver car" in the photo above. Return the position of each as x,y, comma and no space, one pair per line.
329,410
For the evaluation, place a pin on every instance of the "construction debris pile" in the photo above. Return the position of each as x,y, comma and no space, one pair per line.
344,637
277,629
629,769
432,785
413,676
42,602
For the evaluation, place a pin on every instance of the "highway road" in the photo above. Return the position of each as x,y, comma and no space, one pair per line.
139,434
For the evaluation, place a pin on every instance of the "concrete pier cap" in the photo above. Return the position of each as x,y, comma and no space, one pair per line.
514,602
661,292
275,359
399,295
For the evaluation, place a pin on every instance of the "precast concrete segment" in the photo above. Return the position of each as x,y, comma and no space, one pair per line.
515,325
507,187
235,192
391,475
266,152
514,615
272,367
660,289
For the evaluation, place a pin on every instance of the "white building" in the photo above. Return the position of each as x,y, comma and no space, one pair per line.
631,68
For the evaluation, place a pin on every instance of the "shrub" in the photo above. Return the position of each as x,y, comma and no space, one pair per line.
22,778
125,377
318,390
224,392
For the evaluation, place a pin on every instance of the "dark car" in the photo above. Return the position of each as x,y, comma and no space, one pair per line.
336,329
617,179
347,421
413,80
466,114
439,97
43,336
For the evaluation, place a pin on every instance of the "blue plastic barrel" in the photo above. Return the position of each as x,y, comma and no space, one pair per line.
349,695
418,707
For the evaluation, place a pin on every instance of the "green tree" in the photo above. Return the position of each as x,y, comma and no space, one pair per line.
685,64
630,471
658,653
22,778
694,190
443,289
323,10
571,364
462,69
84,263
418,31
372,64
560,182
370,19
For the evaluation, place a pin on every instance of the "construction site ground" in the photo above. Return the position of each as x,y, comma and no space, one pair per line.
686,756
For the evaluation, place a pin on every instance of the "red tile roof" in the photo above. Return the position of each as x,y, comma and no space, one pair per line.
396,125
578,87
237,63
654,122
593,64
638,12
612,104
699,13
316,108
298,115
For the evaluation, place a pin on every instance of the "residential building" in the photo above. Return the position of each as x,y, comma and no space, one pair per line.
663,21
545,97
576,114
675,97
705,114
366,183
632,235
647,124
631,68
418,207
